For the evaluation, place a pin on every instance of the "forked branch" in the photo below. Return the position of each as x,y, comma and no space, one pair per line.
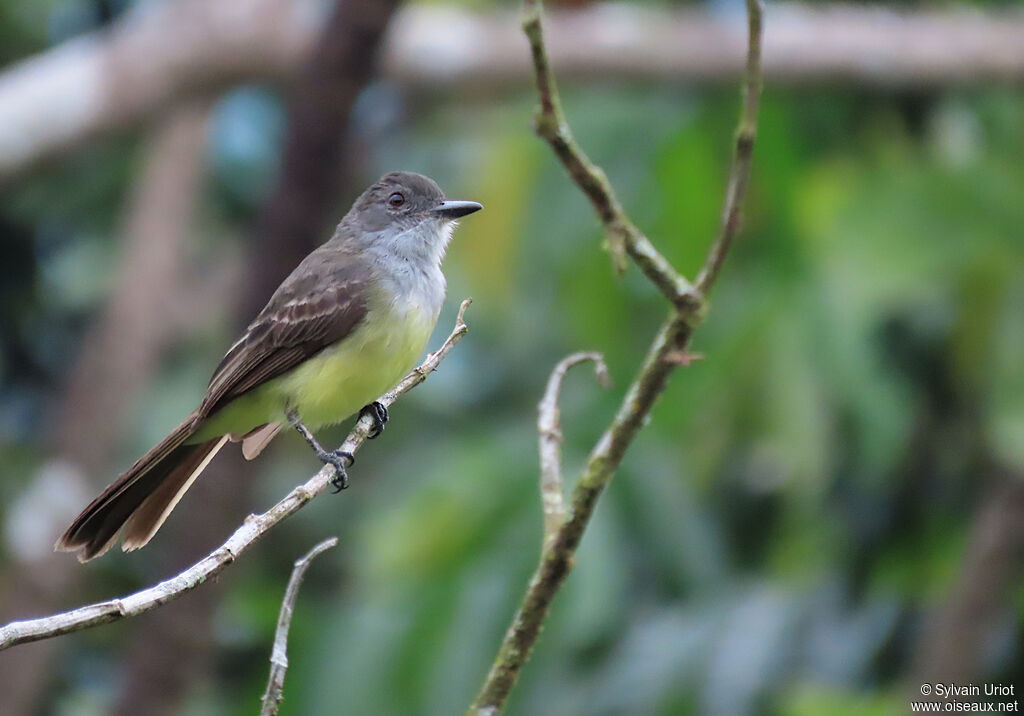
552,494
667,351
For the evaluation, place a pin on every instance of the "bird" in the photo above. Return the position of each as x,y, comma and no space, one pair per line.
345,326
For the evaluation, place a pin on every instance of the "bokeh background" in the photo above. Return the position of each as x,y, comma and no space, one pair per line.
824,513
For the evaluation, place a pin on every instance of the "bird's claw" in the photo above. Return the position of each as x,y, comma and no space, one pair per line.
340,461
380,416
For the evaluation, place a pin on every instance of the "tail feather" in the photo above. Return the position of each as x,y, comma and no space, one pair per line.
142,496
150,515
255,440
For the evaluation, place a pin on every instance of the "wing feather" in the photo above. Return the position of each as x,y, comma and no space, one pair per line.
310,312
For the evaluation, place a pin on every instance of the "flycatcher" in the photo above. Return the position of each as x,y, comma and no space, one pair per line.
343,328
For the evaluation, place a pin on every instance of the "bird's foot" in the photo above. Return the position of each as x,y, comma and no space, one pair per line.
379,413
340,460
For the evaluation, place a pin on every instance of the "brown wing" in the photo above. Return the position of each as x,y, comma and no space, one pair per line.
315,308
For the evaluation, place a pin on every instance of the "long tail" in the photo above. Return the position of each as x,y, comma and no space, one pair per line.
142,497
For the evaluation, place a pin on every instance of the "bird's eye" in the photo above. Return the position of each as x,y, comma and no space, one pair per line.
396,200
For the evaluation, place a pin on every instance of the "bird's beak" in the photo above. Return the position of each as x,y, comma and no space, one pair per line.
456,209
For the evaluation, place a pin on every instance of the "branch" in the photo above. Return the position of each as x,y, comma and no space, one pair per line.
92,85
739,172
156,225
96,83
279,655
254,527
621,234
828,43
957,634
292,220
559,551
316,152
550,438
667,351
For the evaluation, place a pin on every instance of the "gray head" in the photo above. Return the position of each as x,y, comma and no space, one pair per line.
407,214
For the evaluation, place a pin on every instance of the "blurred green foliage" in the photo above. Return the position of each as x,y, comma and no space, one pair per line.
777,533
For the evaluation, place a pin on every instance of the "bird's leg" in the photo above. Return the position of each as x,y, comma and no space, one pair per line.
379,413
338,459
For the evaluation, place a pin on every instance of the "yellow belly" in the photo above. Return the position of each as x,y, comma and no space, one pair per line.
335,383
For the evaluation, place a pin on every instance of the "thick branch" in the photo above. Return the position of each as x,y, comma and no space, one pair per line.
158,224
254,527
279,654
958,634
550,439
315,153
668,350
299,211
870,46
94,84
104,379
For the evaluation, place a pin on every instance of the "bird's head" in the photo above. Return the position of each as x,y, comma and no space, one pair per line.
407,213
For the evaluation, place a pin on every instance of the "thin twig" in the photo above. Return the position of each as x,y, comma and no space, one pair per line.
254,527
621,235
667,351
550,439
279,654
739,172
